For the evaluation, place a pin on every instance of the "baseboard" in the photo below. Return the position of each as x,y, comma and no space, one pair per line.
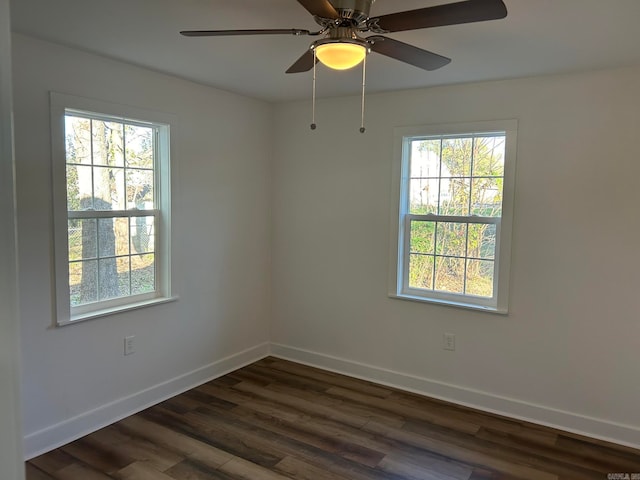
62,433
570,422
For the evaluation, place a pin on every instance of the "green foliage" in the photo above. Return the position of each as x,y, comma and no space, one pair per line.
456,256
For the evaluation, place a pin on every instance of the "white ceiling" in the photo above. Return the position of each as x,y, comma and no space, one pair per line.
538,37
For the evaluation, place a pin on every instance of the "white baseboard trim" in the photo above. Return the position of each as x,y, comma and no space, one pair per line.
627,435
62,433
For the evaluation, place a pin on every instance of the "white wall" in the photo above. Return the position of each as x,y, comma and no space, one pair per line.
568,352
76,378
10,433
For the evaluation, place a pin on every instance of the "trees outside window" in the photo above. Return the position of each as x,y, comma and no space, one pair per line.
454,188
112,179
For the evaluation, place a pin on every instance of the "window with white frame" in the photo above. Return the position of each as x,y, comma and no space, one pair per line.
111,208
454,188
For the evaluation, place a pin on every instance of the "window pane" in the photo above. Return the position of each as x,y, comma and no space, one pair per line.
451,239
124,275
482,241
424,196
456,157
109,283
425,159
78,140
139,189
489,156
486,197
449,274
421,271
83,282
108,188
142,235
82,239
79,188
106,238
139,142
107,143
480,277
143,274
454,196
422,237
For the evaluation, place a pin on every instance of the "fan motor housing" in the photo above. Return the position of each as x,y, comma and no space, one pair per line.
355,10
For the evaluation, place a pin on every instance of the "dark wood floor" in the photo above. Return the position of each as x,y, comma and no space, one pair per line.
277,420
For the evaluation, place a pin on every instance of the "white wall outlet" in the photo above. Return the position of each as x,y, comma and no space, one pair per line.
449,341
129,345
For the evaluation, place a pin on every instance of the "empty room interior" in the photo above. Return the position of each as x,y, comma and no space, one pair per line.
226,257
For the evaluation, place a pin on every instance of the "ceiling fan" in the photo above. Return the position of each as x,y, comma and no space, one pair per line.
343,21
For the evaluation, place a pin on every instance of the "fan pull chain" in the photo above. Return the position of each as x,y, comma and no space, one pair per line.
313,95
364,83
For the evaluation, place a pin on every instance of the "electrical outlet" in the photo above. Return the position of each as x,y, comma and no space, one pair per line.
449,341
129,346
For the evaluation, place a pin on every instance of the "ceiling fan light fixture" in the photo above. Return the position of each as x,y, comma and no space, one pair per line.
341,54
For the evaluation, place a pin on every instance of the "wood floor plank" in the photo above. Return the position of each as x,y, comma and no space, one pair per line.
140,471
455,412
278,420
292,440
358,410
190,470
159,457
349,443
102,458
53,461
513,451
409,412
567,463
34,473
331,378
424,467
603,457
78,471
242,469
461,454
174,441
301,470
299,404
236,445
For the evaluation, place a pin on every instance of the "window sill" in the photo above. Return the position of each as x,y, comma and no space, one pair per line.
115,310
449,303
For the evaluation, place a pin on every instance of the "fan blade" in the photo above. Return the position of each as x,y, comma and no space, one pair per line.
303,64
449,14
407,53
320,8
224,33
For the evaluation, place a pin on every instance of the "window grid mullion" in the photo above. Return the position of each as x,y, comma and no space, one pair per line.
435,232
407,251
435,254
93,181
471,167
439,177
93,204
87,214
466,258
126,206
466,240
124,164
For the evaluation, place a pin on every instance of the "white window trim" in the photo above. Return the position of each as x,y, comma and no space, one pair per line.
60,104
397,240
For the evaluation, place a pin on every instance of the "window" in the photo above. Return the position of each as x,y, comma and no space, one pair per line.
111,208
454,188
